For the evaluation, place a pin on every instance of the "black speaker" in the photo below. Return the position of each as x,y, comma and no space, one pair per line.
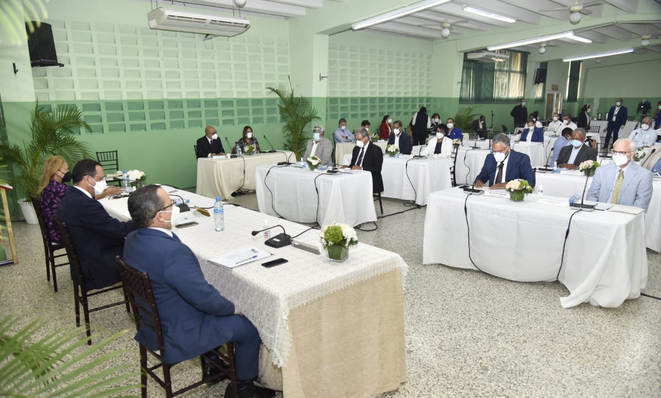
42,45
540,76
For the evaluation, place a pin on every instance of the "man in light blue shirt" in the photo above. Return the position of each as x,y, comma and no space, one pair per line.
560,143
644,136
342,133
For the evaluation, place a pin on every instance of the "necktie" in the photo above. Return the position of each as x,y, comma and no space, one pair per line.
499,175
618,186
360,158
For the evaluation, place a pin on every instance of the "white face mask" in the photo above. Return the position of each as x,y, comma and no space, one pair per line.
396,131
437,120
499,156
555,118
360,144
315,136
660,107
450,125
565,121
367,129
343,127
618,103
620,160
523,103
645,127
531,127
389,121
99,187
249,135
439,135
214,136
175,214
588,110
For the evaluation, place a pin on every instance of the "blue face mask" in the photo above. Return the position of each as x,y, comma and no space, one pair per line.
315,136
576,143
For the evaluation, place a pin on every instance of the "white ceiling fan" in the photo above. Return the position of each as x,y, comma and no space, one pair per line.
446,27
576,10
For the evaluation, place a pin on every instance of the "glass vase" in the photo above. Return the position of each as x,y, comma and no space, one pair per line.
590,172
312,166
337,253
517,196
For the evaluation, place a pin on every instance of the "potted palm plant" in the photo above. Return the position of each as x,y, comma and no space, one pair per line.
53,133
296,113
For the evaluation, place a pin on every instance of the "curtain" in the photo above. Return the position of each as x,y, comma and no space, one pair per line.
574,81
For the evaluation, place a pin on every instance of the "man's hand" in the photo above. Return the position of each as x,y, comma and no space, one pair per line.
113,191
499,186
569,166
356,168
344,167
479,184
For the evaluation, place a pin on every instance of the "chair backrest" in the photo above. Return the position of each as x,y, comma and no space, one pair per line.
504,128
109,161
65,239
195,149
594,129
36,203
141,296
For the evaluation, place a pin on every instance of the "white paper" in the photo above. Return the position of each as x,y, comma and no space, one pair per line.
626,209
240,256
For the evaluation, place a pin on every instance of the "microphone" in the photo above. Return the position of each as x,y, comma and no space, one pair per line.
546,164
183,207
475,143
278,241
228,144
269,142
583,206
419,155
471,188
333,169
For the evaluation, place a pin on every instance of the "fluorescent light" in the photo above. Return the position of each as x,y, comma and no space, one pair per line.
534,40
488,14
401,12
600,55
581,39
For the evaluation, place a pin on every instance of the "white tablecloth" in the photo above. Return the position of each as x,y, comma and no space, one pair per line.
469,164
603,125
221,177
534,150
569,183
426,175
605,260
342,197
344,148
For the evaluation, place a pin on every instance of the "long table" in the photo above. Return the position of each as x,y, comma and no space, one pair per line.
301,195
222,176
605,261
569,183
316,319
343,148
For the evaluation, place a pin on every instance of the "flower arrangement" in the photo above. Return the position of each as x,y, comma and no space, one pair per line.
518,189
639,155
456,142
249,149
336,239
589,167
392,150
313,162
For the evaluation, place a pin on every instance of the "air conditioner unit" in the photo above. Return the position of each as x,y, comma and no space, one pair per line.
487,56
184,21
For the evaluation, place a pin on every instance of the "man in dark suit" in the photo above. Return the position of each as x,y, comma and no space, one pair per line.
209,145
195,317
480,126
617,117
97,237
367,156
504,165
400,138
572,155
520,114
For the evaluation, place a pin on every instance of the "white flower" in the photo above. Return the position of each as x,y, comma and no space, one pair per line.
314,160
456,141
135,175
393,148
514,184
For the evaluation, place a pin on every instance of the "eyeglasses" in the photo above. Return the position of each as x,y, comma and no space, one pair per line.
621,152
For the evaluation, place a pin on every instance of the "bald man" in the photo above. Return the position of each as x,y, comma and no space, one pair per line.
209,145
645,135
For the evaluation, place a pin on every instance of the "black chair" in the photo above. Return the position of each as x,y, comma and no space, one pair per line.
378,197
110,163
455,151
195,149
80,290
141,296
50,248
504,128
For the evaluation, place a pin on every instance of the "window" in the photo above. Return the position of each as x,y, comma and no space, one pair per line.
574,81
483,82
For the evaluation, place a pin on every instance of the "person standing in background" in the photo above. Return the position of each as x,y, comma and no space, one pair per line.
520,114
421,123
386,127
657,116
584,118
617,117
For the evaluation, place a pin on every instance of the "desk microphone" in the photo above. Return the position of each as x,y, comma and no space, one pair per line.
419,155
546,164
228,144
583,206
278,241
272,148
333,169
183,207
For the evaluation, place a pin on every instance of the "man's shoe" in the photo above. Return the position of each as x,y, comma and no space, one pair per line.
251,391
209,370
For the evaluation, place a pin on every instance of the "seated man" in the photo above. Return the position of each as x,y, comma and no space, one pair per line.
577,152
480,127
504,165
342,133
210,144
622,181
367,156
556,126
400,139
97,237
319,146
560,143
195,317
532,133
567,122
644,136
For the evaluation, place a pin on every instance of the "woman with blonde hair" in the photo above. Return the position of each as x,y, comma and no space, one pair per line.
52,189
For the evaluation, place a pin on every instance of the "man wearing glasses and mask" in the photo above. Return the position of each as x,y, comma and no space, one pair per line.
503,165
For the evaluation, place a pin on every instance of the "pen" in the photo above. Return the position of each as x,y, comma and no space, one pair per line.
244,260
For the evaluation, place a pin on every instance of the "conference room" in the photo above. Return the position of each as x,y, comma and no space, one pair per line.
434,290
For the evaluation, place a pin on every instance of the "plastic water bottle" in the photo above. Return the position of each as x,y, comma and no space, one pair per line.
238,149
126,182
540,193
219,215
267,233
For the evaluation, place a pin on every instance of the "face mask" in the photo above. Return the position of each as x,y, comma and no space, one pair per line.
66,177
99,187
531,127
439,135
576,143
175,214
396,131
450,125
367,129
523,103
437,120
555,118
618,103
620,160
315,136
249,135
565,121
343,127
660,107
499,156
587,110
645,127
214,136
360,144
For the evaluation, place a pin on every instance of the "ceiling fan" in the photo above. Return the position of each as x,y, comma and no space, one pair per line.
576,10
645,39
446,27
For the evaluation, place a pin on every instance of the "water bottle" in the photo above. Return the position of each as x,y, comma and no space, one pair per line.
267,233
126,182
238,149
540,193
219,215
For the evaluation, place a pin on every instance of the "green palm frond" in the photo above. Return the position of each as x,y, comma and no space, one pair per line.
13,13
57,365
464,120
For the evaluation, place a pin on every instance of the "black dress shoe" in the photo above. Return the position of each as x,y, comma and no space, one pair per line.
209,370
251,391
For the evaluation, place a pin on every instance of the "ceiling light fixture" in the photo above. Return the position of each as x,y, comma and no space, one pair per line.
581,39
534,40
401,12
600,55
575,17
542,48
488,14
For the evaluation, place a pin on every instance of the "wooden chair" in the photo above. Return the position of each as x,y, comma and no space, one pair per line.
453,156
141,296
80,290
110,163
378,197
50,248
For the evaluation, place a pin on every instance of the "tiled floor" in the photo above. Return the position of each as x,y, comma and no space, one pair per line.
467,334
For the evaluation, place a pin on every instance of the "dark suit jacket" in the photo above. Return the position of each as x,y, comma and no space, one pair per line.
537,135
518,166
204,148
405,143
372,162
586,153
520,115
583,121
476,125
97,237
195,317
620,118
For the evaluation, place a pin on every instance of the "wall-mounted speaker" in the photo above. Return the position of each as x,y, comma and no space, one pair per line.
42,45
540,76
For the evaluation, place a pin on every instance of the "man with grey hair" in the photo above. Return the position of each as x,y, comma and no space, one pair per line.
367,156
319,146
622,181
644,136
194,316
503,165
572,155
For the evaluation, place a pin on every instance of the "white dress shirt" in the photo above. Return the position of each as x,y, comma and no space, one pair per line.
83,191
504,178
554,127
165,231
617,175
643,138
364,149
314,148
